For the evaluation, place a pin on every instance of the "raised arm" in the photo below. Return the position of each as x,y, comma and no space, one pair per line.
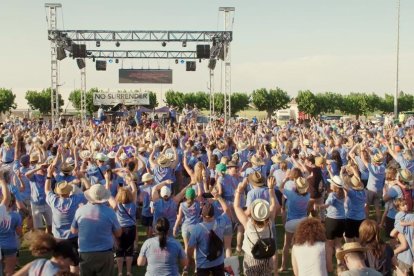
237,209
274,205
5,190
48,183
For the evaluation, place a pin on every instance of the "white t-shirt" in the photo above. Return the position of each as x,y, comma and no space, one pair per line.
311,259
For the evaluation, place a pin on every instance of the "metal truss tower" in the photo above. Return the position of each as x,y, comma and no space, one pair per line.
83,94
228,23
54,73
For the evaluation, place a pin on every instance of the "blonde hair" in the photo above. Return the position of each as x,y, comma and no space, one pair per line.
124,196
198,171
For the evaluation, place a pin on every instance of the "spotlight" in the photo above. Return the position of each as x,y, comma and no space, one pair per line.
184,43
88,53
116,60
164,44
93,58
199,60
117,44
176,61
98,44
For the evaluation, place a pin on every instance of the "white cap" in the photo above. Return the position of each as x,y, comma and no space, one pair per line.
165,191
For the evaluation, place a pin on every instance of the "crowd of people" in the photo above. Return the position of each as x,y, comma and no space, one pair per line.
81,193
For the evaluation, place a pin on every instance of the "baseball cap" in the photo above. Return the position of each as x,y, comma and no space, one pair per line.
190,193
165,191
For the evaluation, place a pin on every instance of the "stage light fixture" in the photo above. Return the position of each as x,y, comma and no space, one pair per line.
93,58
100,65
164,44
60,53
88,53
199,60
117,44
184,43
116,60
81,63
176,61
98,43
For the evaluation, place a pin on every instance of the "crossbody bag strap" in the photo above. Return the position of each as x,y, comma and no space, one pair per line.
123,208
41,268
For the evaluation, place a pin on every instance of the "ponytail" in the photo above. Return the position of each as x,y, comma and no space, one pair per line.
162,227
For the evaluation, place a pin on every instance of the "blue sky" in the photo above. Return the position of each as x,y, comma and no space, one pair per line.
321,45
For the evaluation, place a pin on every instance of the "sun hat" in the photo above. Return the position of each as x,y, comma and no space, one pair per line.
111,155
256,161
123,156
63,188
256,179
278,158
70,161
405,175
101,157
242,146
221,145
190,193
260,210
163,161
377,158
231,164
85,154
147,177
97,194
34,157
319,161
220,167
356,183
348,248
208,210
66,168
337,181
165,191
306,142
301,185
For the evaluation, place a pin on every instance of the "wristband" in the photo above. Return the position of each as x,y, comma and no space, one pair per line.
48,178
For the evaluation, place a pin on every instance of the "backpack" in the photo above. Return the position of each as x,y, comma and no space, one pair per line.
215,244
263,248
408,197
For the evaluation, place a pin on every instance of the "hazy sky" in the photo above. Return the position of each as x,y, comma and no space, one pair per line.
321,45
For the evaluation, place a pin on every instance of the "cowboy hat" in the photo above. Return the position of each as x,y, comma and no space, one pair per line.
85,154
348,248
66,168
147,177
306,142
101,157
408,155
97,194
256,161
242,146
232,164
337,181
378,158
356,183
256,179
301,185
123,156
111,155
278,158
63,188
405,175
260,210
163,161
70,161
34,157
319,161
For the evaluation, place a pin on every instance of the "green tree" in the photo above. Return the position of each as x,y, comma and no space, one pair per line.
153,103
328,102
41,100
7,100
175,98
307,103
271,100
239,101
75,99
357,104
405,102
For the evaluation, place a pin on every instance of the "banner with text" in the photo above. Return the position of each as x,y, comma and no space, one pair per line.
127,98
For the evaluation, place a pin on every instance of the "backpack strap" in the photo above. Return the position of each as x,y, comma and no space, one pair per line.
257,233
41,268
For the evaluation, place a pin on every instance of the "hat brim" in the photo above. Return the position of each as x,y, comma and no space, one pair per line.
147,179
93,200
254,203
261,163
336,184
62,192
341,254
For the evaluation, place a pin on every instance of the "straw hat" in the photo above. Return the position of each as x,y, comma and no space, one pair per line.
301,185
256,161
111,155
256,179
66,168
34,157
405,175
348,248
337,181
147,177
306,142
356,183
320,161
408,155
70,161
163,161
260,210
378,158
278,158
97,194
221,145
85,154
242,146
123,156
63,188
101,157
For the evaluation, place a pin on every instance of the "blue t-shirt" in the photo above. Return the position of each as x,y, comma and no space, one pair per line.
356,201
162,262
8,236
336,208
96,224
63,212
228,185
199,238
49,268
362,169
166,209
37,189
145,191
191,214
393,193
408,232
296,204
255,193
161,174
26,193
376,178
126,214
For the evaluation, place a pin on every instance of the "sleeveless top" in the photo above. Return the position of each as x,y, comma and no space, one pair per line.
310,259
250,236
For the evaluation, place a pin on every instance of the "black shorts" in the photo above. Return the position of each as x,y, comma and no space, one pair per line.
389,225
126,242
75,246
147,221
279,197
335,228
352,228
